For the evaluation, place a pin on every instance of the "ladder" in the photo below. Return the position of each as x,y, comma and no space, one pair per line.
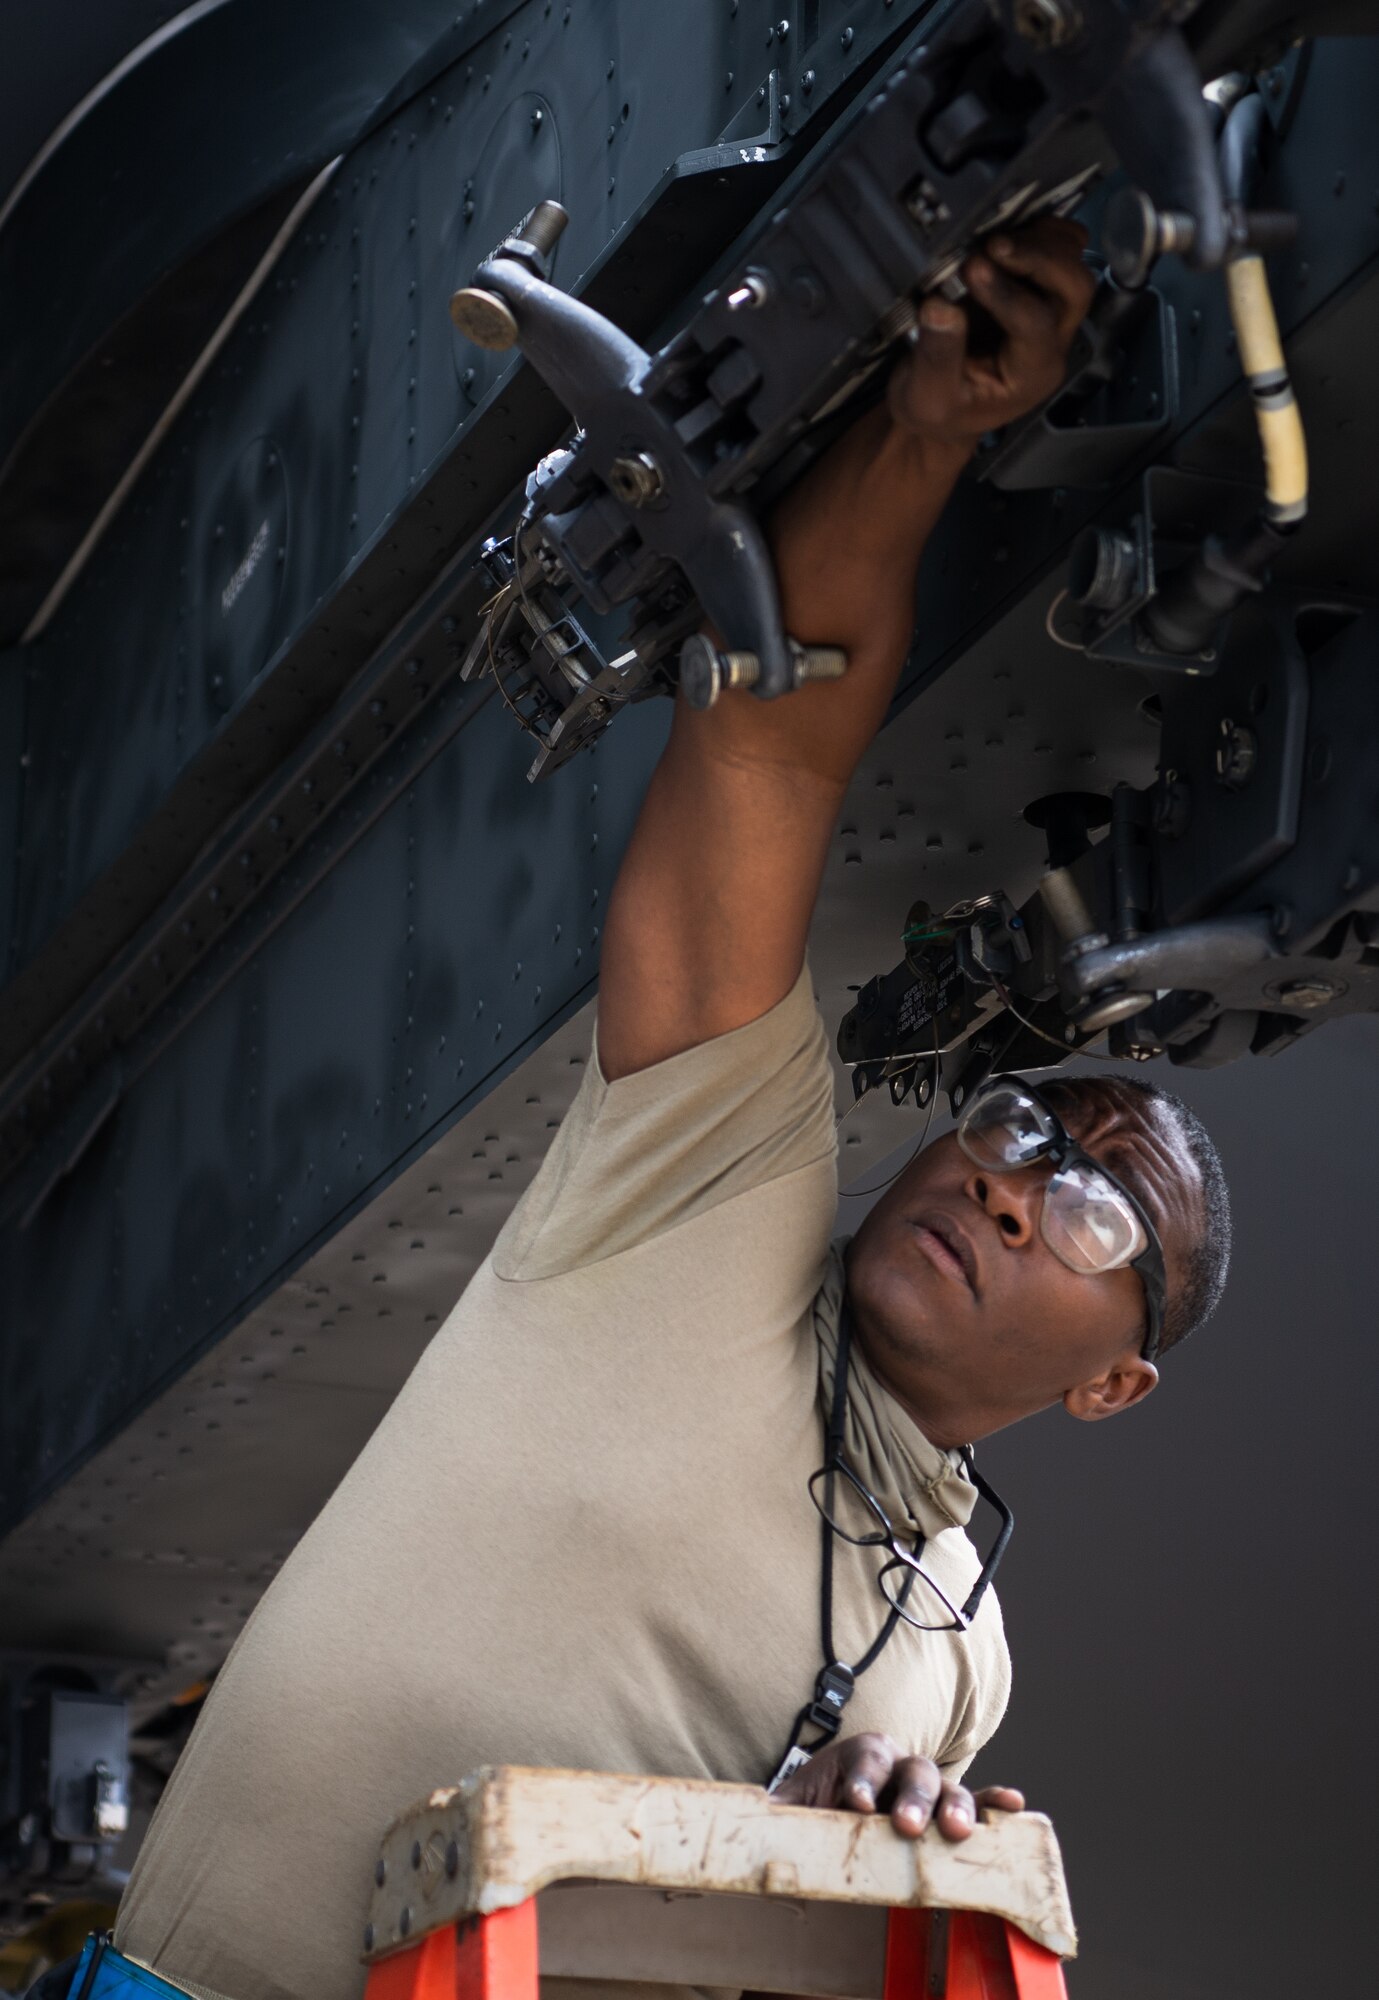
577,1874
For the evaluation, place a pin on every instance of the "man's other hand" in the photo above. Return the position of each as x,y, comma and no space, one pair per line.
868,1774
1035,286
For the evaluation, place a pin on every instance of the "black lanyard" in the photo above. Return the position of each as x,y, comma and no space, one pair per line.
837,1681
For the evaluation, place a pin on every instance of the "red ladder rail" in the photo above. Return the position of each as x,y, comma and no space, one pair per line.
930,1955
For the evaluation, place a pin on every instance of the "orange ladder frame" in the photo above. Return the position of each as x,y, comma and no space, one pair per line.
930,1955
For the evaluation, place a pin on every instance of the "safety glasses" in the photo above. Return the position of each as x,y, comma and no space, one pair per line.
855,1515
1090,1220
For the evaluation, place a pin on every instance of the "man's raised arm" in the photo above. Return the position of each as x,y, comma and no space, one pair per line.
707,925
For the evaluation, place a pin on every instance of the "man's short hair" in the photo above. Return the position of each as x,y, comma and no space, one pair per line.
1199,1290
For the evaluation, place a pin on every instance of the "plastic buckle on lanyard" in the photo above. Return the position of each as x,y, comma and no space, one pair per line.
833,1690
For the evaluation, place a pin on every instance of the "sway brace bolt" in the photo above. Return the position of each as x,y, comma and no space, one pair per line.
705,671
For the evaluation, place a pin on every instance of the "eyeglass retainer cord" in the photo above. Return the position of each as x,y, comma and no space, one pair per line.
837,1680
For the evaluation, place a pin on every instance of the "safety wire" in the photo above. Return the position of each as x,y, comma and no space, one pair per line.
501,604
1052,629
1065,1049
524,522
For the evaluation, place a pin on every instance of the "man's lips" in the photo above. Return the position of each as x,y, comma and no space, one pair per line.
948,1249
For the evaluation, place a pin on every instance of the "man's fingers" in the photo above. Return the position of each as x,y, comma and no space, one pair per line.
928,384
957,1812
866,1774
1058,234
999,1799
868,1762
1029,319
1054,268
916,1789
943,331
1053,229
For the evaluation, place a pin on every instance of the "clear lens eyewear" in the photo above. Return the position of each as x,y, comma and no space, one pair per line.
923,1604
855,1515
1089,1221
1088,1224
1004,1128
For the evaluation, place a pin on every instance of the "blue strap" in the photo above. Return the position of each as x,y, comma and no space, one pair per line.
105,1974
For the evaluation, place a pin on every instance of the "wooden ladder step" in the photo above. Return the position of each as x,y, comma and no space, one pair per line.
679,1882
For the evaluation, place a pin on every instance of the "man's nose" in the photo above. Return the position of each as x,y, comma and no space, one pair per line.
1012,1201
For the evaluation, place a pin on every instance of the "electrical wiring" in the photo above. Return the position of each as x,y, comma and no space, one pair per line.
1057,637
502,603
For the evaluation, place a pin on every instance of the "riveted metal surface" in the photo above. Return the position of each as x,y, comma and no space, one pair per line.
345,420
212,1310
420,943
243,554
172,1530
319,1064
77,449
161,155
340,1047
168,1536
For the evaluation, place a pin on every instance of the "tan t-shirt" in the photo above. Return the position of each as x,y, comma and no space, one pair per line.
581,1536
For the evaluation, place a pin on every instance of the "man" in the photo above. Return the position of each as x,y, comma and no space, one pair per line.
583,1534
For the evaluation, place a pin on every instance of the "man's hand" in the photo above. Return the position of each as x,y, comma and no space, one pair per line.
868,1774
713,902
1035,286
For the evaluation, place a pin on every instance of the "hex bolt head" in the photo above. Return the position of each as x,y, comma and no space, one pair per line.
636,478
1104,1009
1308,994
1237,752
701,671
1172,809
1048,24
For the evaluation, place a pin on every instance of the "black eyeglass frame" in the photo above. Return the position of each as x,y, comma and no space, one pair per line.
1061,1150
908,1560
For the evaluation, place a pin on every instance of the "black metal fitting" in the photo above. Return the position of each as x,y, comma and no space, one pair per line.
1185,614
1102,569
1237,752
833,1690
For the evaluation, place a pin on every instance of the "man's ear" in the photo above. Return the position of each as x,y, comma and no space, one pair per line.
1128,1382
